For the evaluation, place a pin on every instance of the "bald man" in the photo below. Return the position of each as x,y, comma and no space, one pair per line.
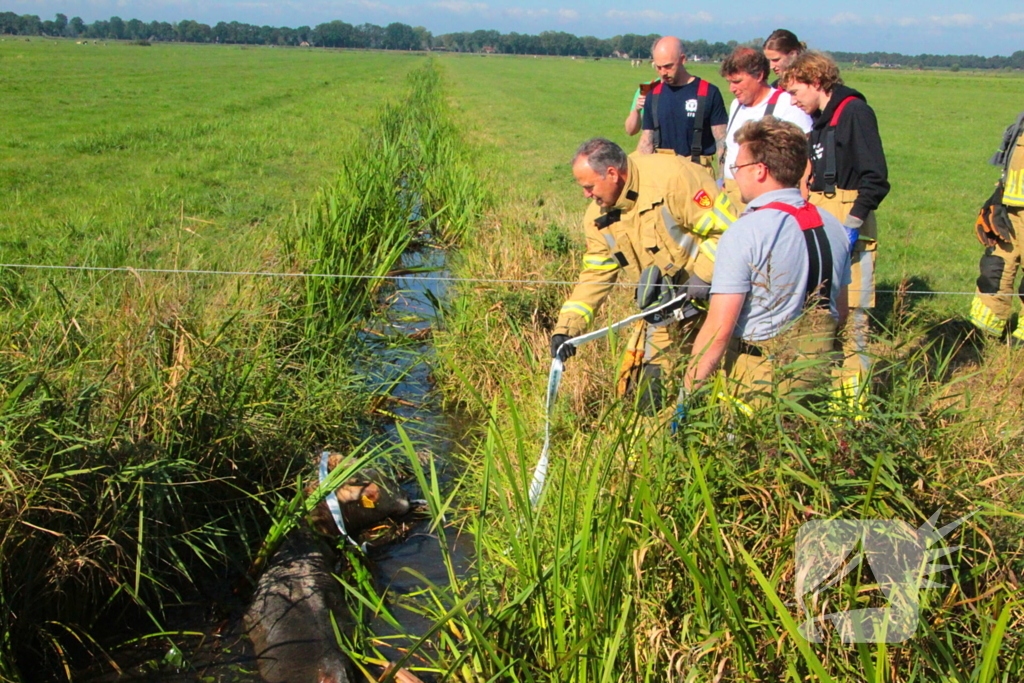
683,114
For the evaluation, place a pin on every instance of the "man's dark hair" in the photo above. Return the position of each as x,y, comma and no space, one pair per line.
746,60
601,153
779,145
784,41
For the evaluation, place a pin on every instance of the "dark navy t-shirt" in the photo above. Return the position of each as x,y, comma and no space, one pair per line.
677,107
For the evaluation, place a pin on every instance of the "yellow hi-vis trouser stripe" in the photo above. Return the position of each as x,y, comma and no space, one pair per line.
737,403
984,319
1013,193
851,395
602,263
579,308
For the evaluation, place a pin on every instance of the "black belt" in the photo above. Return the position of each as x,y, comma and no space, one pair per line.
746,347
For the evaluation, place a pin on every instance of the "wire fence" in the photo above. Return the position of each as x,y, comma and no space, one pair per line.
406,273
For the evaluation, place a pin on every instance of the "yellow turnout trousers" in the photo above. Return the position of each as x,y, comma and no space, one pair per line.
708,162
657,347
993,301
850,377
795,361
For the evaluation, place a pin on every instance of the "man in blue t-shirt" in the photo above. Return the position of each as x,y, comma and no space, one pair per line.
669,122
781,277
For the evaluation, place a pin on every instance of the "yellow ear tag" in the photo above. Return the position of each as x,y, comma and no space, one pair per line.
367,503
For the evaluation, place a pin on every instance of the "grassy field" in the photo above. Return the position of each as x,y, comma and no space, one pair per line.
121,154
130,399
938,129
151,422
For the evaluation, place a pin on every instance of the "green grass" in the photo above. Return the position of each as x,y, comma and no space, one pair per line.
168,155
151,425
528,115
150,421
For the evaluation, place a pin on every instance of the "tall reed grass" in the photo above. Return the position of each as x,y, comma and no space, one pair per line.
407,181
149,424
659,558
137,443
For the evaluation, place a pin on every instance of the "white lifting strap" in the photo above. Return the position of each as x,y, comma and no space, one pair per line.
540,472
332,501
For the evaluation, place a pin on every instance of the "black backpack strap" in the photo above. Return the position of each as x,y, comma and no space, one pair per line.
819,272
697,142
772,101
819,251
1005,153
831,172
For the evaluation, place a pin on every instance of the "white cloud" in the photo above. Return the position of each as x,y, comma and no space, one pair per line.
954,21
381,7
528,13
933,22
461,7
847,19
650,16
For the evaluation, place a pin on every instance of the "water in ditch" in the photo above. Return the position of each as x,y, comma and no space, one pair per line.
411,314
205,644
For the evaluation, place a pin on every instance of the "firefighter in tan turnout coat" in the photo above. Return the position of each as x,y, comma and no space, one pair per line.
1000,228
658,217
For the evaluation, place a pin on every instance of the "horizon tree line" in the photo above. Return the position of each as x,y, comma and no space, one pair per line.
399,36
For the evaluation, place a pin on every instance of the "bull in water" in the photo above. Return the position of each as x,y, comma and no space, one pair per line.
289,621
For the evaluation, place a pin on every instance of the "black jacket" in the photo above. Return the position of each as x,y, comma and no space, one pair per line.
860,161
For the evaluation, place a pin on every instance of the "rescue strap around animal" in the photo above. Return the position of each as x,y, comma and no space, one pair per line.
332,502
540,472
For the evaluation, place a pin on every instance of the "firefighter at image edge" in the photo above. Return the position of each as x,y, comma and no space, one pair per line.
1000,229
659,217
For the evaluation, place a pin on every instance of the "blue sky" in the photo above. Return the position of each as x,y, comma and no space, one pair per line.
911,27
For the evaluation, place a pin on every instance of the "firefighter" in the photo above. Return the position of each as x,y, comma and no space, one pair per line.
658,217
1000,229
849,178
779,285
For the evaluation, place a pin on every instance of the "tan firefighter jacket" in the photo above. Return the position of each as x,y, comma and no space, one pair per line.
670,214
1013,192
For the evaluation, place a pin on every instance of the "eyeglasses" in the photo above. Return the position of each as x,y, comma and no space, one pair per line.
736,167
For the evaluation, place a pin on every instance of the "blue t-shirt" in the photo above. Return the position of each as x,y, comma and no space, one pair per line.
677,109
764,255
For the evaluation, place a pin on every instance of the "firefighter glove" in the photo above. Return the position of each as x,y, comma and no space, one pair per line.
698,289
993,222
561,350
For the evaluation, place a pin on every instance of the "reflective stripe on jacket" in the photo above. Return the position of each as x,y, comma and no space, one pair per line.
670,214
